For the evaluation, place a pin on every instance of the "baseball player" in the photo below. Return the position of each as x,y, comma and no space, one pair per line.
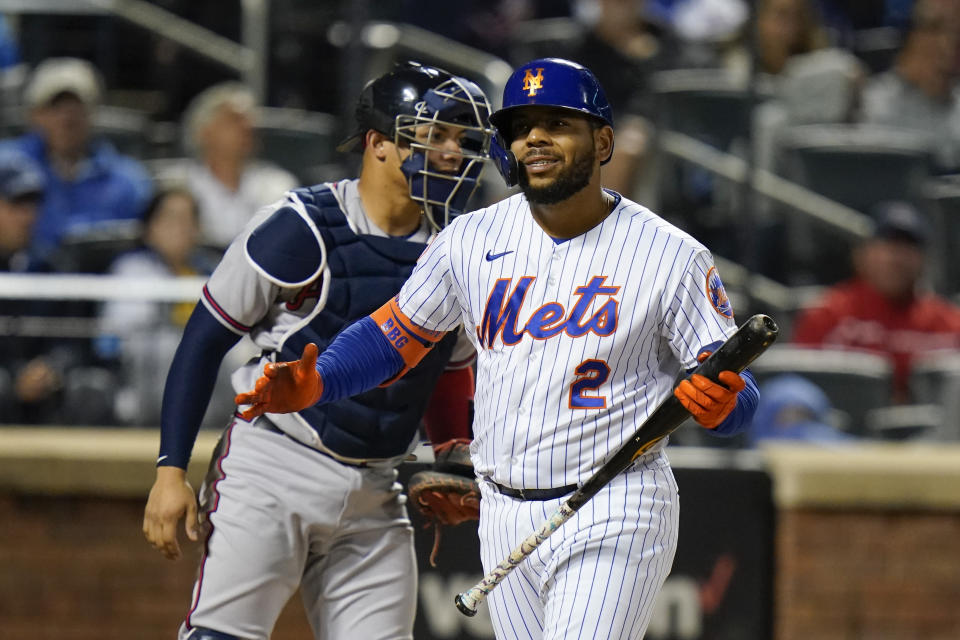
585,308
310,499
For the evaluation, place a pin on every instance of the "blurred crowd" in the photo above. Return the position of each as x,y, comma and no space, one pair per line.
856,101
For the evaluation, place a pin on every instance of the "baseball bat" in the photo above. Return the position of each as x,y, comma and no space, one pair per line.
743,347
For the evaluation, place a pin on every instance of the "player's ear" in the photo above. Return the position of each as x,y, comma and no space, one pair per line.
375,142
603,140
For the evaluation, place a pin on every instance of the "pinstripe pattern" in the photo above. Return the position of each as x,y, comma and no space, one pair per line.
578,342
597,577
526,433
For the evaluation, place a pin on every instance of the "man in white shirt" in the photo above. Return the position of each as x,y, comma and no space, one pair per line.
228,182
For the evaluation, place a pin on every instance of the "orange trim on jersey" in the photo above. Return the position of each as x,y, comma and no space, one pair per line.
410,341
591,374
603,313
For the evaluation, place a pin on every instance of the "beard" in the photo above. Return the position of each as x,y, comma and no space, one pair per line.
569,182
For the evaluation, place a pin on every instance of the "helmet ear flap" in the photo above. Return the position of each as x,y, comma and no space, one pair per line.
505,160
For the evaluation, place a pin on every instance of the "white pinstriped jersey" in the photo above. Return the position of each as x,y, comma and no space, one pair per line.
577,341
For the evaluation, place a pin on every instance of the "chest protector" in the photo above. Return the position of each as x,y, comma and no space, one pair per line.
365,271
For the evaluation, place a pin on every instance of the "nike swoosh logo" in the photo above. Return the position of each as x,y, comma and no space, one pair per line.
161,459
493,256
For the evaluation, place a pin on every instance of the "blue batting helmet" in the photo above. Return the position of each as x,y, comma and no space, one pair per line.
548,82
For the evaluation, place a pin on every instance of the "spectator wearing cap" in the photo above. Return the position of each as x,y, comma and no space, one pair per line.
89,184
31,366
21,189
883,308
223,174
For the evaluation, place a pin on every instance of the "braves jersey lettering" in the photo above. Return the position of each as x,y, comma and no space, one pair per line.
577,341
312,290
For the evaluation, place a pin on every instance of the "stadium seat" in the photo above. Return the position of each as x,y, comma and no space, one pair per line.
94,249
715,108
904,422
877,47
709,105
89,396
855,165
943,198
935,379
839,161
302,142
128,129
854,381
12,80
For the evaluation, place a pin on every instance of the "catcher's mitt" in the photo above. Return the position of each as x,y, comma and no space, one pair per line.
444,499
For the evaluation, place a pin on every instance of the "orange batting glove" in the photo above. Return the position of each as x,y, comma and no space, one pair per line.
709,402
284,387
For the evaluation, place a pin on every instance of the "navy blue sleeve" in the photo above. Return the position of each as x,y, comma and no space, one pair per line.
742,415
359,359
190,383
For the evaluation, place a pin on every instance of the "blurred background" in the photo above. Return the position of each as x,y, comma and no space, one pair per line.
812,145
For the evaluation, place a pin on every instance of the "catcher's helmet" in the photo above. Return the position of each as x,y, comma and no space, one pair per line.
394,93
548,82
411,104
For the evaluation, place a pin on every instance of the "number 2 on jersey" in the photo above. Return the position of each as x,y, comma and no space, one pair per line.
591,374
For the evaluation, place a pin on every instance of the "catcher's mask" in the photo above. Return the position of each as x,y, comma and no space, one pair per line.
449,139
548,82
418,106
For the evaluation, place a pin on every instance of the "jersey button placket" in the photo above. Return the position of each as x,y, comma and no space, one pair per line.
554,276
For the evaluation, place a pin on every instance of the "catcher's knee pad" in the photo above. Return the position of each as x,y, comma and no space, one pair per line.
199,633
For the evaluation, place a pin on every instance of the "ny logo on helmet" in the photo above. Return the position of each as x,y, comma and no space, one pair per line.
533,83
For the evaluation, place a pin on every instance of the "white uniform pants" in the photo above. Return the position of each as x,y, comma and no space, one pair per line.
599,574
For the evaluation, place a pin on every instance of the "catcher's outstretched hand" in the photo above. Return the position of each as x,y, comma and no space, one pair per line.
284,387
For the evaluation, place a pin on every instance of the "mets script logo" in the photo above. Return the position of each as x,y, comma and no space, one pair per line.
533,83
501,315
717,294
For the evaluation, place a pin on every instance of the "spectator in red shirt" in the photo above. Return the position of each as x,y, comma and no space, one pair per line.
882,309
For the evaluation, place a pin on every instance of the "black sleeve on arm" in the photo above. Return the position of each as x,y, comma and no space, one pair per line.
190,383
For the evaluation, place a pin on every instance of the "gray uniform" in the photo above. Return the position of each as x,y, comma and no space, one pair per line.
284,510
